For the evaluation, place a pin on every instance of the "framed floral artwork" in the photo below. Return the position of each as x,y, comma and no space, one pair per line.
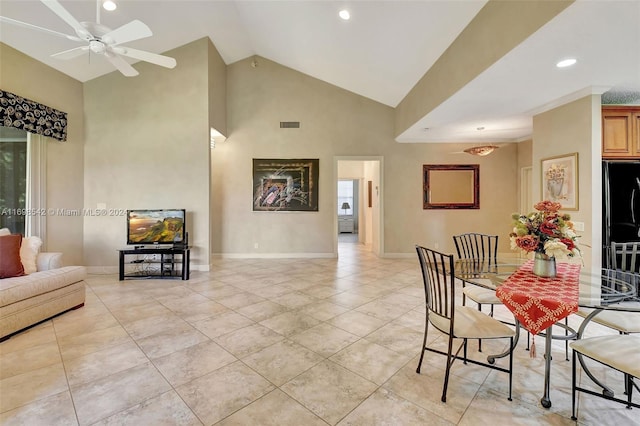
560,180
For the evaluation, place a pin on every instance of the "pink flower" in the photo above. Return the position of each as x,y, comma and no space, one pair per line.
547,206
548,228
569,243
528,243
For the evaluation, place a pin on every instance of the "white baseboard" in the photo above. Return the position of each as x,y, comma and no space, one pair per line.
399,255
105,270
274,255
102,270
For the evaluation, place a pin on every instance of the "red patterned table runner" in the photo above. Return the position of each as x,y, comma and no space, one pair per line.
539,302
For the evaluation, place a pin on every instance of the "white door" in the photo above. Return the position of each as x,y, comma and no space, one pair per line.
526,195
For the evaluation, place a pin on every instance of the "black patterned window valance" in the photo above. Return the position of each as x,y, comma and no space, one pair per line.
24,114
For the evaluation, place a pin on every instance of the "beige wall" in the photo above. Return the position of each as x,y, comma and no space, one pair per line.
410,224
147,147
31,79
217,89
336,123
575,127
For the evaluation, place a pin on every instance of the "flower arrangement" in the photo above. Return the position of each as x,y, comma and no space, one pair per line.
545,231
555,172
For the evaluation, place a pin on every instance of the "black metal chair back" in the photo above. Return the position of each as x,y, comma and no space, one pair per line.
624,256
439,283
476,246
618,285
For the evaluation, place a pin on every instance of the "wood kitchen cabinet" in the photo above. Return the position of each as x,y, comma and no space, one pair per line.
620,132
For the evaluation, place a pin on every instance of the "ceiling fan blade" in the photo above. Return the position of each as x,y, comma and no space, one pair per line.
163,61
71,53
68,18
123,66
134,30
35,27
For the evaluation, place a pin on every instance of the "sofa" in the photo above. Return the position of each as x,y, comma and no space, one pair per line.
29,299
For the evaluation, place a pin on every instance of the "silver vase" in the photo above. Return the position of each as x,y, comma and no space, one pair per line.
544,266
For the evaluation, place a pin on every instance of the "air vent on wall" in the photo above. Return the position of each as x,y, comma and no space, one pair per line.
289,124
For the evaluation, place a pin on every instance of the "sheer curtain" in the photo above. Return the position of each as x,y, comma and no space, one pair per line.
36,194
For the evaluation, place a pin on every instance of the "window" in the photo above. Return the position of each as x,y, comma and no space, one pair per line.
345,195
23,159
13,179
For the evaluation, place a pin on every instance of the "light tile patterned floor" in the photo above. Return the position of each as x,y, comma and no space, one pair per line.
270,342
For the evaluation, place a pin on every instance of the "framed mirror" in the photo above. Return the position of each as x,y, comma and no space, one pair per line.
451,186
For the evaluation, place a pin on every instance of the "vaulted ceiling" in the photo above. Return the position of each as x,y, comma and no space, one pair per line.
380,53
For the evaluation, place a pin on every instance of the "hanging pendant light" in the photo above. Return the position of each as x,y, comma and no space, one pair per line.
481,150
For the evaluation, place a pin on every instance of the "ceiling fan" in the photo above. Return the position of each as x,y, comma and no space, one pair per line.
101,40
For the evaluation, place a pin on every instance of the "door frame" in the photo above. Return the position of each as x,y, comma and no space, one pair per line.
378,204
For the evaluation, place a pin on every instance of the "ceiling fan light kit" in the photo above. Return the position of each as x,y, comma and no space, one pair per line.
481,150
109,5
101,40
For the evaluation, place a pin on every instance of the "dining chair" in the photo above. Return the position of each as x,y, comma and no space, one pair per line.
621,285
480,247
455,321
623,264
623,256
619,352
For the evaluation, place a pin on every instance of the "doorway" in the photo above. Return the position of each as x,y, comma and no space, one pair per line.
526,197
363,215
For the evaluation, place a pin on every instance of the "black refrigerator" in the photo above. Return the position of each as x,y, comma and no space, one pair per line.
620,201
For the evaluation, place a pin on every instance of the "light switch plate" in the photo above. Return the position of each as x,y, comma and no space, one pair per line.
578,226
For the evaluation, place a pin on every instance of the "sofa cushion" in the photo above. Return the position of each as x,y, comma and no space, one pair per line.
49,260
10,263
29,252
19,288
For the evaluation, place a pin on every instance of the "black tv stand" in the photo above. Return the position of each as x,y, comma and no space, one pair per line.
155,262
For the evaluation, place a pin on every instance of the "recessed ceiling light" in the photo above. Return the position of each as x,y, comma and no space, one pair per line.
566,63
344,14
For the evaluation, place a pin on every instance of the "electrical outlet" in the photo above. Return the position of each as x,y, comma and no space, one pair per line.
256,245
436,246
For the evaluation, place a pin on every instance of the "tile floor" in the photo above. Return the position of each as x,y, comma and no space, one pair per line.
269,342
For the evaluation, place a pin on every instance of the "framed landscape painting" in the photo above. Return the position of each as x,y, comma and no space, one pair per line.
560,180
285,184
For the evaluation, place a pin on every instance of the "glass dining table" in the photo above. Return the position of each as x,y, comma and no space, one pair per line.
540,303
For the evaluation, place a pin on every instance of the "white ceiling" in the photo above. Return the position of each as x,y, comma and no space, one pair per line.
380,53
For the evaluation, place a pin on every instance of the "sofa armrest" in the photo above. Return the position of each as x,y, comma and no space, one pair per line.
46,261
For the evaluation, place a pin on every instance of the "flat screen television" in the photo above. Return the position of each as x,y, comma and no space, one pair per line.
154,227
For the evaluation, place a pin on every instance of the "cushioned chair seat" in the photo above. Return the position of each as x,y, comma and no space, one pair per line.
481,295
621,352
624,322
470,323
